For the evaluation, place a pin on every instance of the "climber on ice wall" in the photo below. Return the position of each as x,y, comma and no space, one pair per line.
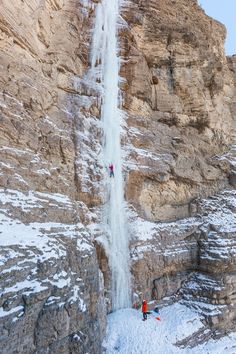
111,168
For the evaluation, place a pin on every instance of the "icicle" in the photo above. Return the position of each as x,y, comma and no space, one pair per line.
105,66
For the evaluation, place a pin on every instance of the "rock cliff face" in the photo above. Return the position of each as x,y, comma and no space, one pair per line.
51,287
178,94
232,67
43,48
180,102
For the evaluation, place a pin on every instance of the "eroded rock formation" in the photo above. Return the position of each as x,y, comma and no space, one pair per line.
180,102
178,96
51,285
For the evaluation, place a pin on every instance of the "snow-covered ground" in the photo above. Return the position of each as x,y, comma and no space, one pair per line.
128,334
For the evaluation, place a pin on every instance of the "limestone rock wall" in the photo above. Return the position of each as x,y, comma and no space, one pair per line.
44,47
51,286
178,94
192,259
232,66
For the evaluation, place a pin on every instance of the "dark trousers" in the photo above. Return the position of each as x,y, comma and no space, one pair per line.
145,315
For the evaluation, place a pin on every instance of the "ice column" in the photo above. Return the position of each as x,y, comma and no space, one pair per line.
105,66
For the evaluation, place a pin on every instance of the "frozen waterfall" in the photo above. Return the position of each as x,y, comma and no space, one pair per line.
105,65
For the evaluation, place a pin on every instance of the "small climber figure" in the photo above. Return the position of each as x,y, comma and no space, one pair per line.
111,168
144,309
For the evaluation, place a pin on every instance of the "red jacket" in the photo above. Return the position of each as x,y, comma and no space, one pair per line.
144,307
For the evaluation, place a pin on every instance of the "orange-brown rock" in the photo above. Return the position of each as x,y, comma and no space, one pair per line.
178,98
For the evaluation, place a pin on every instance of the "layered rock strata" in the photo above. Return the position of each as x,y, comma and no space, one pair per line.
178,96
193,258
51,286
232,66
